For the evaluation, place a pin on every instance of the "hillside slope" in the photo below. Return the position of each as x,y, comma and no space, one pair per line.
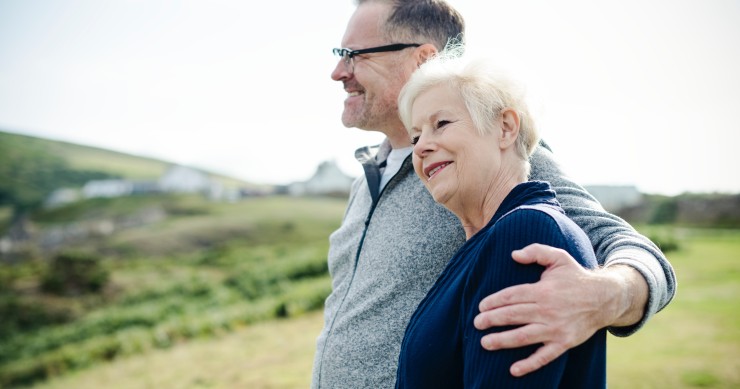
82,157
32,167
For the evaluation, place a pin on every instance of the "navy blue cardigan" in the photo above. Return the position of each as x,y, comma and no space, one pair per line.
441,348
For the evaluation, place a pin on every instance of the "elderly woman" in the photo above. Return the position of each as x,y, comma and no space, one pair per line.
472,136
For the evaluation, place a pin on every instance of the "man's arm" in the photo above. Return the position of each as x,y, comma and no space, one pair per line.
635,282
615,242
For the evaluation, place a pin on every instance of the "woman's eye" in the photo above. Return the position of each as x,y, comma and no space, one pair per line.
414,140
443,123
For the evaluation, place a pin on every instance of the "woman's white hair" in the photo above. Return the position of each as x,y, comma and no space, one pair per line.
485,90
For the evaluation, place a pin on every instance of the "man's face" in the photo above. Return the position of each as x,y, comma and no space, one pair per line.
375,80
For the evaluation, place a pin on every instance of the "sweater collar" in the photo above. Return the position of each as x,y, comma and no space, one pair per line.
526,193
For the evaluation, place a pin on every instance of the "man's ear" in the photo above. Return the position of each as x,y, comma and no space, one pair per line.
424,52
509,127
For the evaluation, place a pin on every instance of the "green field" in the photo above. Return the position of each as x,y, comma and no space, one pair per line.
198,302
693,343
205,270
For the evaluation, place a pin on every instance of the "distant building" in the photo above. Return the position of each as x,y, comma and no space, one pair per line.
328,180
62,196
183,179
176,179
107,188
145,187
615,197
221,192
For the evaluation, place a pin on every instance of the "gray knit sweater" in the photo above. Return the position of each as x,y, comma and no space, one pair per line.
385,256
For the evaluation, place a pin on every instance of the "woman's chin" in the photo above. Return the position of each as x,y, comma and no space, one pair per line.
440,197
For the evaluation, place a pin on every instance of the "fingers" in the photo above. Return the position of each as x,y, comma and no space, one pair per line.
508,315
541,254
541,357
524,336
517,294
519,337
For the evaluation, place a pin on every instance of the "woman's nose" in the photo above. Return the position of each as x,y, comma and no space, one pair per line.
423,145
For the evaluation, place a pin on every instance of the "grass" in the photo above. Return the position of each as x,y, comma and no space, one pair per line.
91,158
693,343
236,360
124,165
205,270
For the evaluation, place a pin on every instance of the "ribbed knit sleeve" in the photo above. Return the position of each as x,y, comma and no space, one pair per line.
582,367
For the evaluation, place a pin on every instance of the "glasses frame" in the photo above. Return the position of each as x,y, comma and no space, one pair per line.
349,54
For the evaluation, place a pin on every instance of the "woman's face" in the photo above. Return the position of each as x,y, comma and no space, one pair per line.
456,163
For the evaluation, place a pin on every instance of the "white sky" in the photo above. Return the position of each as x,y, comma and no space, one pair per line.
628,92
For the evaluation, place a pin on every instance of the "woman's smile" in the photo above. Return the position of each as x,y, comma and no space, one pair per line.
435,168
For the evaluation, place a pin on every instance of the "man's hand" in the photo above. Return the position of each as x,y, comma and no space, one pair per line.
563,309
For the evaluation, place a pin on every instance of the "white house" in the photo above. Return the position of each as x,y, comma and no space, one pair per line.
183,179
107,188
328,180
62,196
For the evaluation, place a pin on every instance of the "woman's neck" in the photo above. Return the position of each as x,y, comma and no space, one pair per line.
477,210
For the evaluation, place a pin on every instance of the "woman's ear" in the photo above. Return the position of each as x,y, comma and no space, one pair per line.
509,127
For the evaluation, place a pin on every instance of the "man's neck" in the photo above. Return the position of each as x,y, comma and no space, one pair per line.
399,139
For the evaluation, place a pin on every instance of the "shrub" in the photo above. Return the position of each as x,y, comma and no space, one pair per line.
665,212
75,273
665,239
23,315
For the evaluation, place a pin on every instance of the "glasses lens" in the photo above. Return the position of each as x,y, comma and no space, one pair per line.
349,62
346,57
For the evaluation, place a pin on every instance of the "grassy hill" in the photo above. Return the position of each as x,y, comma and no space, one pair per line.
79,157
31,168
122,164
104,278
89,158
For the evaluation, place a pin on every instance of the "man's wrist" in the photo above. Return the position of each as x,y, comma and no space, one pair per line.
630,297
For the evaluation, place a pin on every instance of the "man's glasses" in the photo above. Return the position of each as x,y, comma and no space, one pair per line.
348,54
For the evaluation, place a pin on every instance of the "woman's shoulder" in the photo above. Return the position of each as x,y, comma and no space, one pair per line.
544,224
528,216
